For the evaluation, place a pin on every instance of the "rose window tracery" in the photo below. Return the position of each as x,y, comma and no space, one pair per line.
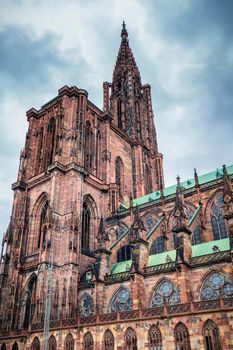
86,305
121,301
165,293
216,286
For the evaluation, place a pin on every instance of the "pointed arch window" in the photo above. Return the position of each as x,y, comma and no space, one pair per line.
42,227
89,147
157,245
52,343
124,253
138,119
211,336
51,140
39,150
119,112
88,343
86,305
69,342
165,293
86,222
29,302
108,340
98,153
215,286
36,344
121,301
15,346
217,220
182,337
3,347
119,175
155,338
131,339
196,236
148,182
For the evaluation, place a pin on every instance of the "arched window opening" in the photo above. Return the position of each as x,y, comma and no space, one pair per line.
15,346
86,305
36,344
51,140
130,339
217,221
148,182
3,347
88,343
155,338
89,147
86,223
124,253
98,154
69,342
108,340
29,302
215,286
119,175
196,236
42,227
182,337
165,293
138,119
119,113
39,150
158,245
121,301
52,343
211,336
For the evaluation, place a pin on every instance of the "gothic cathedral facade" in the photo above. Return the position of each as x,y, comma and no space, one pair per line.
99,254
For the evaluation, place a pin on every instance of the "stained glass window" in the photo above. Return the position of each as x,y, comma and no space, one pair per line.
86,220
182,337
165,293
124,253
130,339
217,220
196,236
121,301
119,175
215,286
149,222
3,347
36,344
155,338
86,305
157,246
52,343
69,342
88,343
15,346
211,336
108,340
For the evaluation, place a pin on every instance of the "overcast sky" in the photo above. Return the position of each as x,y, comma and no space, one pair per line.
183,48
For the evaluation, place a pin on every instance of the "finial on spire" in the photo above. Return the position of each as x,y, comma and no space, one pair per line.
124,33
196,177
123,25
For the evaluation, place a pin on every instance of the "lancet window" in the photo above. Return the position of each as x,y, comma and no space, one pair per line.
29,302
196,236
51,140
182,337
130,339
69,342
148,182
124,253
217,219
119,175
119,113
42,227
108,340
15,346
211,336
155,338
165,293
88,343
36,344
215,286
3,347
157,245
86,305
52,343
89,147
86,222
121,301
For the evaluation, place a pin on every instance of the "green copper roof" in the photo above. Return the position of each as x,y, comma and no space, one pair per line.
122,266
162,258
220,245
185,185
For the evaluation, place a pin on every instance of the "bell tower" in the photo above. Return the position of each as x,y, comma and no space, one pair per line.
129,103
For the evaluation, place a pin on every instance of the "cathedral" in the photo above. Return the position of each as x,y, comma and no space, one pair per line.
99,254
